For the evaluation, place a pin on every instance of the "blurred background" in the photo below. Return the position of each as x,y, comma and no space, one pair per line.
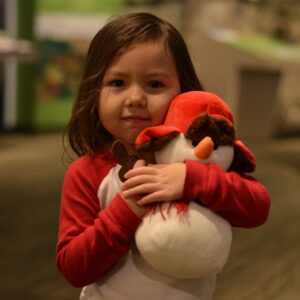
246,51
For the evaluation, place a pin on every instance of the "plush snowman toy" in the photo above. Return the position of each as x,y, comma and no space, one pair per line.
179,238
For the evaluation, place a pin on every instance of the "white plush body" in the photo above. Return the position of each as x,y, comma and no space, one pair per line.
190,244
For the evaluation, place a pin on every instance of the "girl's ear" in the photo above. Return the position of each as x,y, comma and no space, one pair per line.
127,161
241,163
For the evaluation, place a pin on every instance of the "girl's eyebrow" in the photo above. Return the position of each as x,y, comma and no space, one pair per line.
114,73
155,73
158,74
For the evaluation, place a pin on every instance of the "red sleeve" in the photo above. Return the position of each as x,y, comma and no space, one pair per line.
240,199
91,240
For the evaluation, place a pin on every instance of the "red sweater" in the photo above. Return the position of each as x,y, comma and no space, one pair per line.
92,239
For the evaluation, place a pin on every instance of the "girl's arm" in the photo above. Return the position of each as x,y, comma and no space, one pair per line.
91,240
240,199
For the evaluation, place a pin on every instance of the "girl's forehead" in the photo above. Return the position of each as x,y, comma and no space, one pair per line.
145,50
160,43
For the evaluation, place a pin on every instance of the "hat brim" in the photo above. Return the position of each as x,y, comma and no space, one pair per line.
155,132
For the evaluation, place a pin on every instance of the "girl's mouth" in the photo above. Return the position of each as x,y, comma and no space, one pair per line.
136,120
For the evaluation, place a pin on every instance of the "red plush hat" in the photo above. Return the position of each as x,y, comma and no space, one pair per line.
187,106
184,109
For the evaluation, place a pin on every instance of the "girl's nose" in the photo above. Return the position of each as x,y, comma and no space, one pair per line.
204,148
136,97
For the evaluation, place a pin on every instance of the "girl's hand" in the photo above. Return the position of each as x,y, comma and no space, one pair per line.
155,183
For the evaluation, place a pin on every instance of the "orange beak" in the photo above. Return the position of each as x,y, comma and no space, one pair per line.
204,149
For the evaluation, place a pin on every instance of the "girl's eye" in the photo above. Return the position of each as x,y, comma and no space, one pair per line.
155,84
116,83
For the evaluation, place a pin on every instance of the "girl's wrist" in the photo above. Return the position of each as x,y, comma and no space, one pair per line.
139,210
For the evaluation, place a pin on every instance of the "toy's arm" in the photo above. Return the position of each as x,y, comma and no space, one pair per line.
240,199
91,240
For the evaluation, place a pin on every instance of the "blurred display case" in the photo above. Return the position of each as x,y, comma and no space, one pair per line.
17,55
11,50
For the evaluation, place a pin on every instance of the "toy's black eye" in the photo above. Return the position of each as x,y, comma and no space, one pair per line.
195,143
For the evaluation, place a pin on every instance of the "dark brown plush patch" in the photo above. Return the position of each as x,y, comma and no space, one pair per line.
221,131
127,161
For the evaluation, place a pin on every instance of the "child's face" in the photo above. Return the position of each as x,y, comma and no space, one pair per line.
137,89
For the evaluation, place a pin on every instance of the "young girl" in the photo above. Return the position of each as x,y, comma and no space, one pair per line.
136,64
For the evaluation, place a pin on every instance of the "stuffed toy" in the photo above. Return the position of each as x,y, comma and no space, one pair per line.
179,238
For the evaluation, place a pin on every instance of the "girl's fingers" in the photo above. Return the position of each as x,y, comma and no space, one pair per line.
159,166
142,170
149,184
139,163
139,190
137,180
150,198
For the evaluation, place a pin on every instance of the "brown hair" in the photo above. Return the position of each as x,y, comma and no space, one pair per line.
85,132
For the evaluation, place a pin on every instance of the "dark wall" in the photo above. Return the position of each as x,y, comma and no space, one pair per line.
1,67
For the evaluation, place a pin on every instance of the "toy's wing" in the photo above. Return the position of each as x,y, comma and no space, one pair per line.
244,160
155,132
127,161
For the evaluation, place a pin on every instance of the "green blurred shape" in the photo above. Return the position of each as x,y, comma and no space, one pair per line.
267,46
52,114
81,6
25,69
